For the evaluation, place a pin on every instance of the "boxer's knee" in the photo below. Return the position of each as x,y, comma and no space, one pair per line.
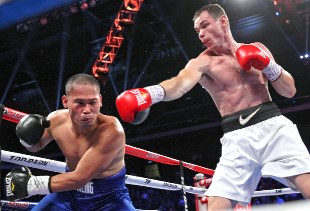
220,203
300,183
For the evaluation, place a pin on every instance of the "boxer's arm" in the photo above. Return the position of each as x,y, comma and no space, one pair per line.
106,150
187,78
47,136
133,105
45,140
285,84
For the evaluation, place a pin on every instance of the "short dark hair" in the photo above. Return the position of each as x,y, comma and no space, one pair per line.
214,10
81,78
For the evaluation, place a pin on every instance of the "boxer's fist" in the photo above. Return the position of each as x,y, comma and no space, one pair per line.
252,56
16,183
133,105
20,183
30,129
132,102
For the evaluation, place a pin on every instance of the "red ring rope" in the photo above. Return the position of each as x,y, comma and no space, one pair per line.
14,116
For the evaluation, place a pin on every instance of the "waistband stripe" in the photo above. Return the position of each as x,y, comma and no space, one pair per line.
250,116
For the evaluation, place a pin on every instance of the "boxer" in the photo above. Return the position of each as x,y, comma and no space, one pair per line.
93,145
258,140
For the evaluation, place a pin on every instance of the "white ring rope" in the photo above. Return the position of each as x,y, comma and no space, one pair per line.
57,166
32,161
274,192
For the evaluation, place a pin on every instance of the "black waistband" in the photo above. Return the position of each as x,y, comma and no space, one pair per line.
242,119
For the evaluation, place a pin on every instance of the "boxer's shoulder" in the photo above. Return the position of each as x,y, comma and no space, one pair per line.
58,117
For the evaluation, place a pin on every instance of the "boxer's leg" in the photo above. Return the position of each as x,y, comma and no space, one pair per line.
220,203
55,202
302,182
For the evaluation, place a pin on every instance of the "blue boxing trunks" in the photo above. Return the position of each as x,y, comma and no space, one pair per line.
108,194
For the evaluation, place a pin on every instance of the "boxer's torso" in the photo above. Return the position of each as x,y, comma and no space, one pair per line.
74,147
232,88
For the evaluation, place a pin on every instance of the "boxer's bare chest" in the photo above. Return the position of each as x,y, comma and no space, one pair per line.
231,87
73,147
221,73
224,72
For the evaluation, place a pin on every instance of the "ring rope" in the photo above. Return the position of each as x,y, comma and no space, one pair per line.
57,166
130,150
14,116
301,206
274,192
22,205
60,167
18,204
32,161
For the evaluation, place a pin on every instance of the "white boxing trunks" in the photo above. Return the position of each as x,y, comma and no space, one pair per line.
257,142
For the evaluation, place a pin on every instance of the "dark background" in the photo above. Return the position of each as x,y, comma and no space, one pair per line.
36,60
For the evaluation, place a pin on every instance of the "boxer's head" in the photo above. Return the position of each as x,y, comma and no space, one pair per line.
214,10
80,79
212,26
82,99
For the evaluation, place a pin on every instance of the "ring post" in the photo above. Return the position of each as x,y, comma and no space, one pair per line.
183,185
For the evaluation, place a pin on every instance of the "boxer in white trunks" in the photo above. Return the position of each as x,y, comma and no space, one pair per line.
258,140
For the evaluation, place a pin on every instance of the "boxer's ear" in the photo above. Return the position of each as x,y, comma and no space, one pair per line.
65,101
100,100
223,21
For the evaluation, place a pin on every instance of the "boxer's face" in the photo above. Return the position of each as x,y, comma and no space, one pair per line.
209,30
83,103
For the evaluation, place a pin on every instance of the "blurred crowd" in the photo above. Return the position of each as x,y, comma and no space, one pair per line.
163,200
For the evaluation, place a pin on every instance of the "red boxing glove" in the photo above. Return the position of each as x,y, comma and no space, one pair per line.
252,56
133,105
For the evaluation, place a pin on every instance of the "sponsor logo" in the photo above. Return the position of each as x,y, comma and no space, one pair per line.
170,185
152,155
10,204
189,165
147,181
13,115
244,121
9,186
263,54
29,160
88,188
278,191
139,96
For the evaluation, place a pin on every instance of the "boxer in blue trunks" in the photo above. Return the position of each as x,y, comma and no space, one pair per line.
109,193
93,145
